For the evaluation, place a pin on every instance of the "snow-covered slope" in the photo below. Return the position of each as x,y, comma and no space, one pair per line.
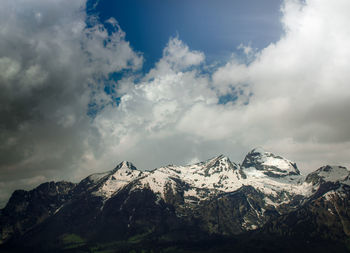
221,175
270,164
216,196
276,177
111,182
329,174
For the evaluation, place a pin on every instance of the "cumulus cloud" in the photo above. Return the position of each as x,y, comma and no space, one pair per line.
299,86
146,119
177,57
52,66
292,97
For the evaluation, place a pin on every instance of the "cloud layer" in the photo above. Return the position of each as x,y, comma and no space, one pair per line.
52,66
291,97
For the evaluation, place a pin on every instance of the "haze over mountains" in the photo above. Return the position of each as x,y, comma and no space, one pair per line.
263,204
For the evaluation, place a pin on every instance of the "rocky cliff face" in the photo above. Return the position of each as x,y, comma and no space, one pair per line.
265,196
26,209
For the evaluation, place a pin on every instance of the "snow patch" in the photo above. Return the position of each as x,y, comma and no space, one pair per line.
117,179
334,173
279,163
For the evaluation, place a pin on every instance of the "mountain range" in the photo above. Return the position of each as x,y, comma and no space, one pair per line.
261,205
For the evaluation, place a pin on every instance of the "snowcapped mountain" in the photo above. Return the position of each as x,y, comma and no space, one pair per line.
217,197
107,184
329,174
270,164
278,178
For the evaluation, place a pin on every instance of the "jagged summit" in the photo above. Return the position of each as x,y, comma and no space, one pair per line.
270,164
260,169
215,158
218,164
263,170
110,182
124,165
216,196
329,173
259,150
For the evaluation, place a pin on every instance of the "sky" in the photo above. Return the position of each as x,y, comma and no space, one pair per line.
213,27
85,85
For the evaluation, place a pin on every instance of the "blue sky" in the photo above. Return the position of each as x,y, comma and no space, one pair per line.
216,28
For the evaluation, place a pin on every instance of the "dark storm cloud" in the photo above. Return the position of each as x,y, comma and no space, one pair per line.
49,64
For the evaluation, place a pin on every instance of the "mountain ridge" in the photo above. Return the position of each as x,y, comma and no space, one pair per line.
216,197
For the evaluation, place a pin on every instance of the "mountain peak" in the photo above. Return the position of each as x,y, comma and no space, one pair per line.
124,165
259,150
218,164
329,173
221,157
217,159
270,164
124,173
120,203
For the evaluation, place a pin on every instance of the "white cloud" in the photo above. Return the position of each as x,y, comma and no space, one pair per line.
51,67
149,111
177,57
295,89
232,75
300,83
